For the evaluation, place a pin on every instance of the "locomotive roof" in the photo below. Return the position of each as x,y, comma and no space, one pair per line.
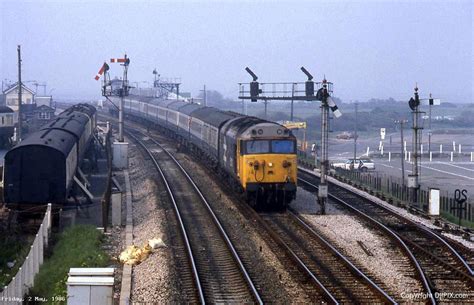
188,108
56,139
213,116
74,124
5,109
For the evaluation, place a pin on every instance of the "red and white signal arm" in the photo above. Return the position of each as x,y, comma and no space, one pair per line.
382,133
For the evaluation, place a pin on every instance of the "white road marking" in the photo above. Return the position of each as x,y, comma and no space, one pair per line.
407,170
467,169
449,173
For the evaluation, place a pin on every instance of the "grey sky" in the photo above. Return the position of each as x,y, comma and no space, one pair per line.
368,49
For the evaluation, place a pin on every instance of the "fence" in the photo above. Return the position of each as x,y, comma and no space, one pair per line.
391,189
25,276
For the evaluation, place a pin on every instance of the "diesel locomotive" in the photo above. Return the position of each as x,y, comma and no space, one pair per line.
258,157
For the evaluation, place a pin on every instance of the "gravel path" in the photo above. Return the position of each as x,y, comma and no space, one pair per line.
346,233
154,280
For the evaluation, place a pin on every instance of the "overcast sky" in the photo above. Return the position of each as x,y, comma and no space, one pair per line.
367,48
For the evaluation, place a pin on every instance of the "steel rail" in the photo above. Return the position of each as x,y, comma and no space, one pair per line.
394,235
348,263
180,220
218,223
459,257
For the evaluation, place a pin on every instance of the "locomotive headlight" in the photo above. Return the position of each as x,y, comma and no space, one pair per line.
286,164
270,164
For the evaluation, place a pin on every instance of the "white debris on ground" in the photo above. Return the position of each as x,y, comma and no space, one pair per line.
423,221
345,232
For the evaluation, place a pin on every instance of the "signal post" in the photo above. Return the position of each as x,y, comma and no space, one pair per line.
290,92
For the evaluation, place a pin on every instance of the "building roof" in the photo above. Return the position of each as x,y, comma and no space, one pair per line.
15,85
5,109
44,108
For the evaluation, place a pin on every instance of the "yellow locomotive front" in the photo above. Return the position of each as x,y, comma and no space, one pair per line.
267,165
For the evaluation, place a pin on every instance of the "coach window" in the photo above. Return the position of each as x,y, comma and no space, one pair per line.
283,146
257,147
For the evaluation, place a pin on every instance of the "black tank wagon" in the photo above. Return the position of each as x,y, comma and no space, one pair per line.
41,168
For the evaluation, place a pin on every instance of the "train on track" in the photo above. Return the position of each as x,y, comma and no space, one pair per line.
41,168
256,156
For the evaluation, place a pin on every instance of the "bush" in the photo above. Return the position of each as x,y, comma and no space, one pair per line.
77,246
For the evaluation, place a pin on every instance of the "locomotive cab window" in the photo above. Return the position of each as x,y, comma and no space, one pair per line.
283,147
257,147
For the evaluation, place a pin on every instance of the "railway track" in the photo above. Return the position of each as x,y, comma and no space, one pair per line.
444,269
218,274
345,282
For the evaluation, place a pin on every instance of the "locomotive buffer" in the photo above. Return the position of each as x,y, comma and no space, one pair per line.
251,91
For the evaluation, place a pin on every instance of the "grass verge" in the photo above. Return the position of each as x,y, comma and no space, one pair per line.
12,249
78,246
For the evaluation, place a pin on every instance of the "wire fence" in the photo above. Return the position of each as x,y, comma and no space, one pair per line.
392,190
25,276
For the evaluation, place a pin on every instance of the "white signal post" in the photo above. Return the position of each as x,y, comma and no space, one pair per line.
125,61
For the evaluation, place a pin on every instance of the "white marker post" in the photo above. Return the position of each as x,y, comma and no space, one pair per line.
409,156
406,155
459,149
405,145
440,148
472,156
421,149
390,156
368,149
454,146
452,153
431,156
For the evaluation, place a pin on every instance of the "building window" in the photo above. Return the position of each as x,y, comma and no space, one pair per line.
12,101
44,115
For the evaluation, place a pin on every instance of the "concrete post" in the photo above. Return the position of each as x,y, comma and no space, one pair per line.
406,155
36,256
452,153
459,149
440,148
389,156
454,146
31,268
116,209
472,156
431,156
40,245
409,156
421,147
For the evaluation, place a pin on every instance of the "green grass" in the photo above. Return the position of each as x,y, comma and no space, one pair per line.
455,220
12,249
77,246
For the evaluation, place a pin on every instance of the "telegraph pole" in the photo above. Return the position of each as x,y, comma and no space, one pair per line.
19,94
292,99
355,134
401,149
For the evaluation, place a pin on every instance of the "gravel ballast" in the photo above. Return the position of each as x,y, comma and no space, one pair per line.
346,232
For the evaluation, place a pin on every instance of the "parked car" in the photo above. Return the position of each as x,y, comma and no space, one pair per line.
360,164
